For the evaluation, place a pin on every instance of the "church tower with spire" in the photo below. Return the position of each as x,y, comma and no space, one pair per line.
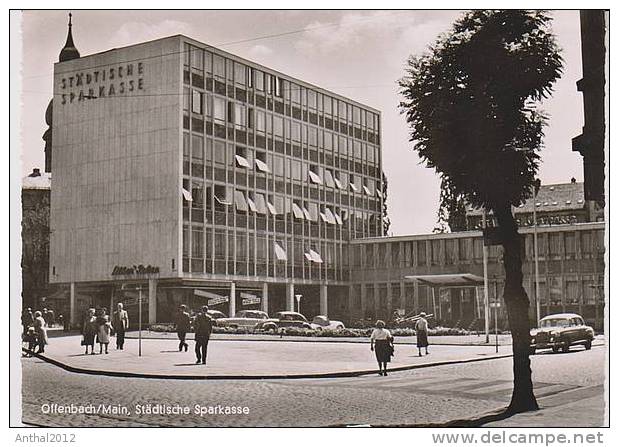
68,52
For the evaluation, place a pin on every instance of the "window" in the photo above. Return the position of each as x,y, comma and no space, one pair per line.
297,212
271,207
261,207
296,131
295,169
222,195
197,243
313,136
260,121
197,58
240,115
219,152
329,178
313,211
186,149
242,157
258,80
239,201
280,253
185,99
261,158
197,148
219,67
278,165
239,73
219,109
278,126
295,93
313,175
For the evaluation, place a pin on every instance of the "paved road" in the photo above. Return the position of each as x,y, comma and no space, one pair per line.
425,396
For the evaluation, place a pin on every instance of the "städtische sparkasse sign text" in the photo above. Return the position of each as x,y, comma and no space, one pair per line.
122,79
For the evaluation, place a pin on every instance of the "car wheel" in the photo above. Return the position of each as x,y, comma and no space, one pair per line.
319,329
566,348
555,349
339,327
588,345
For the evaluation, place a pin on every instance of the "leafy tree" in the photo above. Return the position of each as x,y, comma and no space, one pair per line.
35,248
386,222
472,104
452,209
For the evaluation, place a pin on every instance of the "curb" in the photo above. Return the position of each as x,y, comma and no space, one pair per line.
252,377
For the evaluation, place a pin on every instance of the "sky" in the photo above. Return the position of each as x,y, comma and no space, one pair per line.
358,54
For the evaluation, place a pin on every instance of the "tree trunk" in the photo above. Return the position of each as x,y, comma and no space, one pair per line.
517,303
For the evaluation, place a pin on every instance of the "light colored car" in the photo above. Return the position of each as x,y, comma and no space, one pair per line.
560,331
216,315
321,322
243,319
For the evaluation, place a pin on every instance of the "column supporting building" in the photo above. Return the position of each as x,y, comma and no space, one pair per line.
290,296
323,300
265,297
232,300
152,301
72,310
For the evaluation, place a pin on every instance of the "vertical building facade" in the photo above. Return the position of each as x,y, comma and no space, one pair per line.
184,174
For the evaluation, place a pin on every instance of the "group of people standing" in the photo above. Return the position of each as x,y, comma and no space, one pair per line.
98,327
34,330
202,325
381,342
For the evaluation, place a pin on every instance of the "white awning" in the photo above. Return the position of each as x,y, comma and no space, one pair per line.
307,214
308,257
338,183
315,256
280,253
315,178
323,216
296,211
329,179
261,207
271,208
379,193
338,219
222,200
241,161
262,166
252,205
239,201
353,187
187,195
330,216
367,190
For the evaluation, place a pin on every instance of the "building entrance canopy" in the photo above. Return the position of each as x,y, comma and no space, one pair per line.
448,280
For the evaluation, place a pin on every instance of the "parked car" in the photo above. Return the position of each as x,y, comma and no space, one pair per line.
243,319
560,331
282,320
321,322
216,315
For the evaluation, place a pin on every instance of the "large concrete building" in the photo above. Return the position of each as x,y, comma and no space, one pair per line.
199,177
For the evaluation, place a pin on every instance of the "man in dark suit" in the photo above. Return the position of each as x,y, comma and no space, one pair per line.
203,326
183,325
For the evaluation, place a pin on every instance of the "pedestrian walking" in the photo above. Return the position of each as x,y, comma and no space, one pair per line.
41,331
203,326
381,342
183,325
89,330
421,328
103,332
30,338
120,324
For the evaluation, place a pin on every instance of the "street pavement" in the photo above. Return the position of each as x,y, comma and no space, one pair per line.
231,357
564,383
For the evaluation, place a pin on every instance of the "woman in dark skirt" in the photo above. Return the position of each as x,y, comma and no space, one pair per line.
89,330
422,333
383,340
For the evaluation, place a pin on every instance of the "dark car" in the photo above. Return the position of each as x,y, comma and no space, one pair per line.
560,331
282,320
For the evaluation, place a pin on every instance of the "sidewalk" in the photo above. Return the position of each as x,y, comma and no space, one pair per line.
243,359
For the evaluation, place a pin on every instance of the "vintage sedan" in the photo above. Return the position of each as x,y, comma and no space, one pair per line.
282,320
321,322
216,315
243,319
560,331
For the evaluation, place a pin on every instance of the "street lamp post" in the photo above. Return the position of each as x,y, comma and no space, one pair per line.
298,297
537,185
486,299
140,321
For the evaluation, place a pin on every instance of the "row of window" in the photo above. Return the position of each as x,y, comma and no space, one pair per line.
246,77
265,123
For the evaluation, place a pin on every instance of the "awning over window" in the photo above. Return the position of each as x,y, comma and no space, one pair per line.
271,208
329,179
338,219
353,187
308,257
187,195
315,178
252,205
262,166
222,199
280,253
307,214
379,193
239,201
330,216
315,256
261,207
367,190
296,211
241,161
338,183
